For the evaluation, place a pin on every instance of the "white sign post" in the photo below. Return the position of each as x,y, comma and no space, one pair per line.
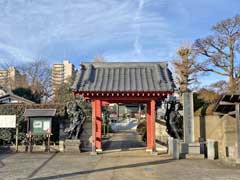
9,121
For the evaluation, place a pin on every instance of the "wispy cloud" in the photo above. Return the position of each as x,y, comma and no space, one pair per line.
137,19
138,30
77,29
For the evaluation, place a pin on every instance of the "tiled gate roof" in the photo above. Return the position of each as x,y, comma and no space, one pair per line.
124,77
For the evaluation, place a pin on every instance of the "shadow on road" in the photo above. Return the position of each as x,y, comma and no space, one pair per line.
4,156
104,169
42,165
125,140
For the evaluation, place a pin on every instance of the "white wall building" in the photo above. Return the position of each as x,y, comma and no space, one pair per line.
62,73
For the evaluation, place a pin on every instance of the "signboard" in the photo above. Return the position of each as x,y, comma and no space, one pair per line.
7,121
40,125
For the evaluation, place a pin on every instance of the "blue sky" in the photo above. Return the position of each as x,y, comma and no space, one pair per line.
119,30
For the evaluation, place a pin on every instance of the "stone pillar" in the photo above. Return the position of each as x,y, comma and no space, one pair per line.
188,117
237,106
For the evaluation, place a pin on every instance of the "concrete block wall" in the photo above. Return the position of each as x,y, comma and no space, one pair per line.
220,129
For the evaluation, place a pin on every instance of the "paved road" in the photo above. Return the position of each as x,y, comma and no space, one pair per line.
123,140
133,164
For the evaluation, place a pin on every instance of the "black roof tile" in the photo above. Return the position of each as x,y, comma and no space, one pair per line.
124,76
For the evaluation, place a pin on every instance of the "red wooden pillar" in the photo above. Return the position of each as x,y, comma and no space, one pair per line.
96,126
93,126
151,126
98,114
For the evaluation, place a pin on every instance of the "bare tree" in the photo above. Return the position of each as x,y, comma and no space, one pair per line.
220,87
185,67
38,73
221,49
99,59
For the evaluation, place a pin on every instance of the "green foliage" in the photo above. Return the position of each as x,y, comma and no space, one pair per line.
106,115
198,102
141,129
27,94
204,101
39,139
21,137
6,135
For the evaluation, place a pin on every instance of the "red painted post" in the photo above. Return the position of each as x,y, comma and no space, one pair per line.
151,146
148,124
153,118
93,127
98,110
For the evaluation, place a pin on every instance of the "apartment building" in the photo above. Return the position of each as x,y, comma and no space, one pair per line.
62,73
11,78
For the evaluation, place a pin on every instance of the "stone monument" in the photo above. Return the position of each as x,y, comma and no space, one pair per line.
194,148
188,117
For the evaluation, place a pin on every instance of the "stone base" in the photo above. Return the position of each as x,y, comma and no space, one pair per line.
194,148
154,153
149,150
72,146
195,156
195,151
92,153
61,146
99,150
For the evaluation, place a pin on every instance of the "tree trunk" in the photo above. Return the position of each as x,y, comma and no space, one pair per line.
232,80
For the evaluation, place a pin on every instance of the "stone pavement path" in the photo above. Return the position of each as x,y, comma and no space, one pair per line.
134,164
123,140
129,165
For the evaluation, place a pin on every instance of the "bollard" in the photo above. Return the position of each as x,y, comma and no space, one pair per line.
170,146
176,153
212,149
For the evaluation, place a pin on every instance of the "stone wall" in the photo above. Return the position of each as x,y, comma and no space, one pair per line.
86,135
230,136
221,129
161,131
